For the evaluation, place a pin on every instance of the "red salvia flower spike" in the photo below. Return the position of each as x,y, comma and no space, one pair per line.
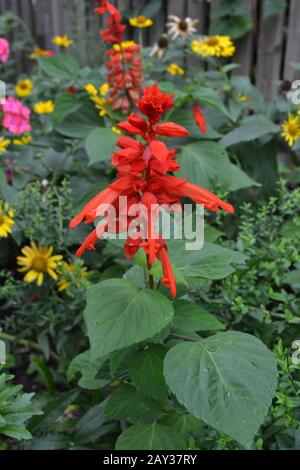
142,177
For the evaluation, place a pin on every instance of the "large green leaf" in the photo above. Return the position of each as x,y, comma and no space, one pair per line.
211,98
80,123
127,403
194,263
99,144
185,118
260,162
211,262
190,318
150,437
207,164
146,371
119,314
61,66
65,104
227,380
82,364
251,128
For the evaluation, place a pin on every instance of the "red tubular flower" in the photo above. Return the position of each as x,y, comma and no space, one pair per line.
199,118
169,129
124,62
89,243
168,280
142,177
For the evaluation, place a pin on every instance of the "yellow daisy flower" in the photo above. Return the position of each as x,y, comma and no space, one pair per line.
4,143
213,46
38,261
24,88
6,219
24,140
103,90
175,69
91,89
64,281
62,41
140,22
291,129
44,107
123,45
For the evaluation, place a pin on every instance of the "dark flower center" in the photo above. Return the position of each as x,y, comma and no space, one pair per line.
162,43
183,26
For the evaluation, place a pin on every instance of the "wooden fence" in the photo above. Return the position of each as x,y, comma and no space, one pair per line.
265,53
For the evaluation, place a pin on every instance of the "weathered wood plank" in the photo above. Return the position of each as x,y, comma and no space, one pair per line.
197,9
292,53
269,54
245,46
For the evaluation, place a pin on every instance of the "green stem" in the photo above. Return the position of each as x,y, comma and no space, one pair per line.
27,343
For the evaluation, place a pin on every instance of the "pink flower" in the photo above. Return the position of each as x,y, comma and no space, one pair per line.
15,116
4,50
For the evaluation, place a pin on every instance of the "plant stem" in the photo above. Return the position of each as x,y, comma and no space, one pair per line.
27,343
189,338
151,278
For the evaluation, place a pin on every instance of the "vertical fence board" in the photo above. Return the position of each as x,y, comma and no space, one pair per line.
245,45
197,10
293,42
270,50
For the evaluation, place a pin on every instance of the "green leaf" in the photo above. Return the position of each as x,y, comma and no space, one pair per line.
261,163
8,193
146,371
293,279
251,128
185,118
211,98
227,380
212,262
150,437
207,164
126,403
92,425
235,26
169,87
190,318
79,124
61,66
88,370
51,442
119,314
65,104
37,364
100,144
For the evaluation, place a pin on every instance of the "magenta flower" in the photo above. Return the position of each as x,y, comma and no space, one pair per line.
15,116
4,50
